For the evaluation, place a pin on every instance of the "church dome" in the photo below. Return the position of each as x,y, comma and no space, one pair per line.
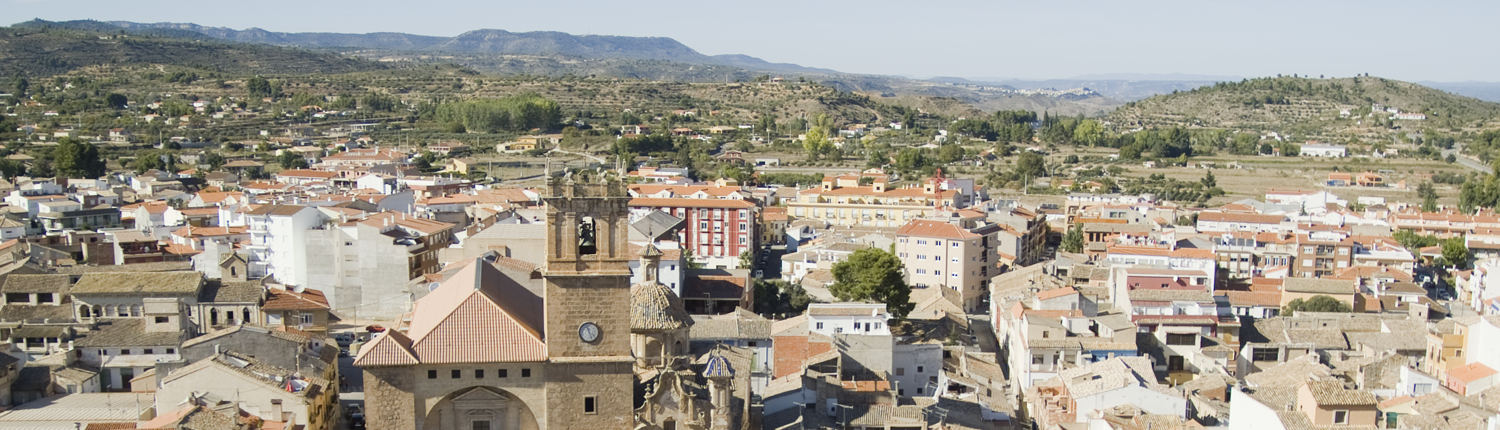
655,307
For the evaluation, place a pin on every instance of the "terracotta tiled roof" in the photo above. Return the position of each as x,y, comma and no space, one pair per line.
308,299
1253,298
1055,293
465,320
305,173
930,228
1471,372
691,203
388,349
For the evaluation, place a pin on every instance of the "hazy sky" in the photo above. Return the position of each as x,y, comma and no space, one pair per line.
1415,41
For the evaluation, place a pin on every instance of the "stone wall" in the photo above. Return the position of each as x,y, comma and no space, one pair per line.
389,402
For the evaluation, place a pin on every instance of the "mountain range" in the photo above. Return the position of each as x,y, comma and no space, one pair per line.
556,53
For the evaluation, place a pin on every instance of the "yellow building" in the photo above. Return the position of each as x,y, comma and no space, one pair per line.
842,200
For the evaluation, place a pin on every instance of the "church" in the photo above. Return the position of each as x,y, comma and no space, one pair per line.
579,348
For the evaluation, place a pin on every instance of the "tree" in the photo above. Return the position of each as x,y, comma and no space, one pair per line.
259,87
747,260
214,160
116,100
816,143
290,160
872,274
1073,240
1209,181
1031,165
1318,303
689,261
1429,196
775,297
1089,132
77,159
20,85
1455,252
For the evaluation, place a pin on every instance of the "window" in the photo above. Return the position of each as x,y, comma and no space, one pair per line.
953,274
124,352
919,391
820,326
588,405
478,373
525,373
171,351
431,374
481,425
163,320
919,370
1046,334
1421,389
1458,353
877,327
502,373
1182,339
937,272
457,373
921,271
1265,354
307,318
955,244
1037,359
900,371
148,351
1341,417
921,257
937,243
921,242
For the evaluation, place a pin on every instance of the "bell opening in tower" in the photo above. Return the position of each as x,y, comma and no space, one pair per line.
587,245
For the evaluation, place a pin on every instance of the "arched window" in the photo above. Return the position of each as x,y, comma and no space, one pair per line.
109,311
234,271
135,310
83,311
244,315
213,317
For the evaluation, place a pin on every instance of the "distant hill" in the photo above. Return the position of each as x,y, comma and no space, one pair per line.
45,50
1266,103
1487,91
477,42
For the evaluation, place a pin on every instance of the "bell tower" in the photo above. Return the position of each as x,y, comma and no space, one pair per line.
590,382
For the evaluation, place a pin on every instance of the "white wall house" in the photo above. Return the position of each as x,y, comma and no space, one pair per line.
848,318
1323,150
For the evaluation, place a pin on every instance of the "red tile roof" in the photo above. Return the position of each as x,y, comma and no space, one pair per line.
283,300
478,316
1471,372
930,228
691,203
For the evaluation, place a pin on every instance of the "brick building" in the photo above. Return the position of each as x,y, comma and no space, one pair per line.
716,230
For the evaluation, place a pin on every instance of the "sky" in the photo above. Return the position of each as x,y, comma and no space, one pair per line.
1443,41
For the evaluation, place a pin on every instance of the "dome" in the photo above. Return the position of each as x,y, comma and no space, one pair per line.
654,306
717,367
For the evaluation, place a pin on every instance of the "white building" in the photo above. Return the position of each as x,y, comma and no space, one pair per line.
1323,150
829,319
278,234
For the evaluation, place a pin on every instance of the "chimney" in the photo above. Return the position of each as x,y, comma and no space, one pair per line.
276,413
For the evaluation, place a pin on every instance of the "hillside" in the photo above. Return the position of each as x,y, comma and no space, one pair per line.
1296,102
473,43
41,51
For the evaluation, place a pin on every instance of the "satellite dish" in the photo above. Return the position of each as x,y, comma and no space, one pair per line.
432,286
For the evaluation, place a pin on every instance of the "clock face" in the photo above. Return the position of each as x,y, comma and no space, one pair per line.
589,332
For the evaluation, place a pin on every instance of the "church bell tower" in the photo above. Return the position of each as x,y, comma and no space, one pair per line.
587,274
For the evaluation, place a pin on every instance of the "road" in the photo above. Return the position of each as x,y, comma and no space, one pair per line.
1466,161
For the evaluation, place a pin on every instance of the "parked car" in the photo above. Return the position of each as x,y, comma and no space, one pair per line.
344,339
